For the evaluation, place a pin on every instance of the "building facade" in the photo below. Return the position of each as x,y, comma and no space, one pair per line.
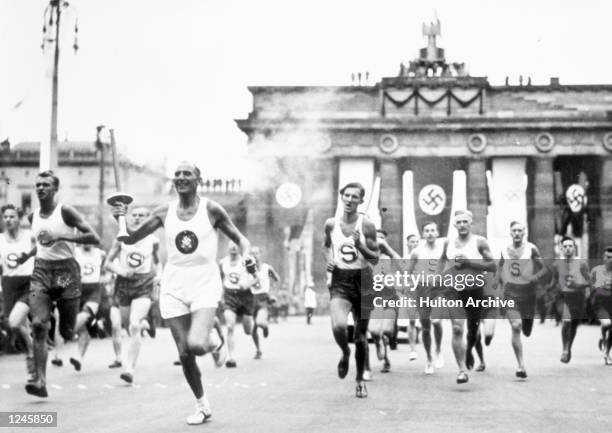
430,140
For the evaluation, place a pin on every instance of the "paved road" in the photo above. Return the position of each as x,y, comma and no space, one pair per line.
295,388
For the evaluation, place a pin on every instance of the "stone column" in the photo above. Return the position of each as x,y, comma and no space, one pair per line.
542,226
477,198
605,191
322,201
391,202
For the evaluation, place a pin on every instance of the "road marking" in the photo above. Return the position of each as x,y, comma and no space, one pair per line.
244,386
160,385
137,386
6,386
382,413
263,384
55,386
81,386
107,386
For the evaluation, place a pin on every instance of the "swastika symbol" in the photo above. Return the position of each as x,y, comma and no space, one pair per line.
432,199
576,197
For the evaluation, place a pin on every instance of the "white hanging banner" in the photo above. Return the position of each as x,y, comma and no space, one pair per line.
508,192
459,199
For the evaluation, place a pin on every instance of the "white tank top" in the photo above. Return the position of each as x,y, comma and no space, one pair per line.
11,249
193,242
90,262
138,257
346,255
428,258
602,280
54,223
517,268
232,273
263,273
469,250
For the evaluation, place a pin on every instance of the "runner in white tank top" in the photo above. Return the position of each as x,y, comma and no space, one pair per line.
468,255
191,285
259,285
238,301
14,243
518,275
56,276
134,264
424,262
350,242
90,259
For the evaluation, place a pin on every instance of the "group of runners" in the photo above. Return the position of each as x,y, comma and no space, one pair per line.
58,266
355,249
53,275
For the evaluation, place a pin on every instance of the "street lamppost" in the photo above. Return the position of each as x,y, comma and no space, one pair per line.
102,143
51,37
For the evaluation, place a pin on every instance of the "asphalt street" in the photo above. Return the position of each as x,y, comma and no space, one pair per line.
294,387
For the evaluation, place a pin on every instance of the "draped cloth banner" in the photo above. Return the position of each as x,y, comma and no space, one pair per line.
408,215
507,184
433,98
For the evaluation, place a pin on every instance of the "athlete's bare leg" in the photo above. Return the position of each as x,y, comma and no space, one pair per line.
191,333
19,323
115,317
138,311
339,310
89,311
230,323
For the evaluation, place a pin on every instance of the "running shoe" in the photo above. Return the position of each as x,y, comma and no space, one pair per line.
202,413
521,373
37,390
219,355
76,364
439,362
566,357
128,377
386,367
361,391
115,364
343,366
230,363
429,368
607,360
462,377
367,375
257,355
57,362
481,367
413,355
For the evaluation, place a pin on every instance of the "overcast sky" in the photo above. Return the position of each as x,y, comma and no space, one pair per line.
170,76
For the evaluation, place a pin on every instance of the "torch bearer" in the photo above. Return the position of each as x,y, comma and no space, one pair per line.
118,197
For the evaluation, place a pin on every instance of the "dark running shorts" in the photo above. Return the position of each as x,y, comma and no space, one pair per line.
261,300
14,289
128,289
573,305
241,302
355,286
601,304
59,279
524,297
91,293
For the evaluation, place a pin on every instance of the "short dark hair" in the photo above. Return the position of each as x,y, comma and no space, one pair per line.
354,185
567,238
11,206
426,223
412,235
381,231
515,222
54,178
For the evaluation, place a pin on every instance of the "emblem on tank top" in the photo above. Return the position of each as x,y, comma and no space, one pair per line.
135,259
11,260
41,239
88,269
186,242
